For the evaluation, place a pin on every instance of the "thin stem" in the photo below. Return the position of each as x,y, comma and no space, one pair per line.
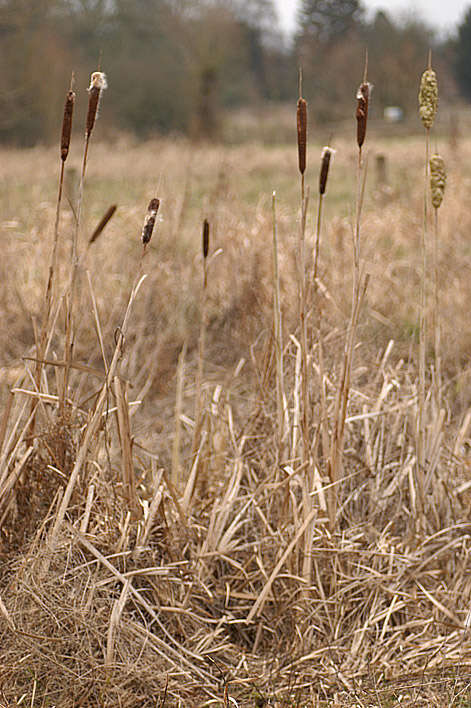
201,355
437,316
421,442
73,279
280,394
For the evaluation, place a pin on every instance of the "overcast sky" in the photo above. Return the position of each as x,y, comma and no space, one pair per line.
443,14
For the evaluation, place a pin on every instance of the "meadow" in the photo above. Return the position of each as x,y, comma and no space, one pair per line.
185,517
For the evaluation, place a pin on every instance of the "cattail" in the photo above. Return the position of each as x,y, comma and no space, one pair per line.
97,85
102,223
205,238
326,156
301,120
67,124
428,98
363,99
149,221
437,179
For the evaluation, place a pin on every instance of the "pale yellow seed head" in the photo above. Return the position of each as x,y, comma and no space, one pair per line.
437,179
428,97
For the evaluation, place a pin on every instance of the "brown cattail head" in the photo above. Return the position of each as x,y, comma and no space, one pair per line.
428,98
437,179
149,221
97,85
301,120
363,100
102,223
205,238
67,124
326,156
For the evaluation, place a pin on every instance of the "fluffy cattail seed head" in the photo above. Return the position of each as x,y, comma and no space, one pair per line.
437,179
97,85
326,156
149,221
67,124
428,98
363,100
301,121
205,238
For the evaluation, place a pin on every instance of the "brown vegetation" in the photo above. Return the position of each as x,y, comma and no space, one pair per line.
220,501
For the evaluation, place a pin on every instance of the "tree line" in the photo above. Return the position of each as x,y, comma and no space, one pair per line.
177,65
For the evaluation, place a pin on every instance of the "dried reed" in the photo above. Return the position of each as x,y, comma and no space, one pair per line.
360,284
428,101
97,85
437,189
202,341
66,134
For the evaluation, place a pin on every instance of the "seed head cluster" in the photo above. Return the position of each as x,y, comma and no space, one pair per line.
428,98
437,179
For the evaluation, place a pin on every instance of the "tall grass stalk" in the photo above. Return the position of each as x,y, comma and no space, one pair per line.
360,284
301,120
202,338
281,403
66,134
97,85
428,99
437,188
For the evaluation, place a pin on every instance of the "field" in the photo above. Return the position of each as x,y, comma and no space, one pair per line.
185,517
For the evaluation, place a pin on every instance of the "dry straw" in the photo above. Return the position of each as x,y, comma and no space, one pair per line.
437,179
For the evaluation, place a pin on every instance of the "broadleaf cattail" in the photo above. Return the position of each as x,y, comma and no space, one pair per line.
97,85
326,156
102,223
428,98
301,121
437,179
67,124
363,99
149,221
205,238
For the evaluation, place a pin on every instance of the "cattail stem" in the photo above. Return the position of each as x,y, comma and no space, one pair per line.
360,284
281,406
97,85
326,157
437,316
428,101
437,188
49,297
202,339
421,432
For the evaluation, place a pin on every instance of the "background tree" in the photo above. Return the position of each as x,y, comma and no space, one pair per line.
331,49
327,21
463,56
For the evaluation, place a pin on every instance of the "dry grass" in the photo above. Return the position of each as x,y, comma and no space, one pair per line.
140,571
